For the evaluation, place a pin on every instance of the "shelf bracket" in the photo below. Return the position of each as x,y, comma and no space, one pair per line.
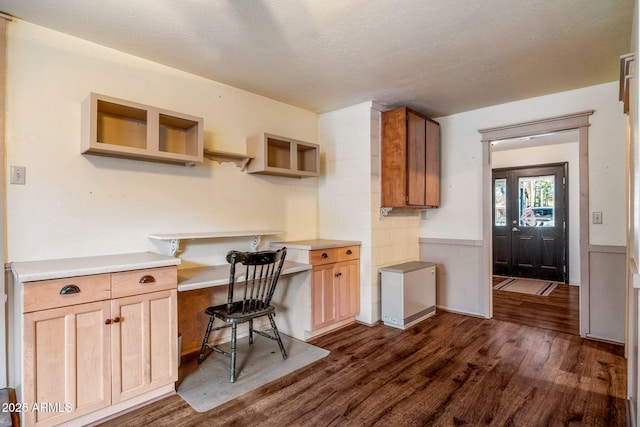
174,245
256,242
384,212
240,160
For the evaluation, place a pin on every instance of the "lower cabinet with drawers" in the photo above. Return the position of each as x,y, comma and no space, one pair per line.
334,288
95,344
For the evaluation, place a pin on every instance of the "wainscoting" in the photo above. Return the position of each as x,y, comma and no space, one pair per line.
460,286
604,308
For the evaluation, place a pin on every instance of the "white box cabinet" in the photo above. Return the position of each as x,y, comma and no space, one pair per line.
408,293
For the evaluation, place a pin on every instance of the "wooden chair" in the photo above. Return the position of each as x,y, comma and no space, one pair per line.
257,284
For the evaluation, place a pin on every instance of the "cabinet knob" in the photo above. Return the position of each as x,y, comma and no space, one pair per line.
117,320
324,255
349,252
108,322
69,289
147,279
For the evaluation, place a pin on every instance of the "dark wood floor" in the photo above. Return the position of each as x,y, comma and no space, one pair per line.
560,311
449,370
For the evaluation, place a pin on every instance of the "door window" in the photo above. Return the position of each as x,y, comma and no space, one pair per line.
536,201
500,202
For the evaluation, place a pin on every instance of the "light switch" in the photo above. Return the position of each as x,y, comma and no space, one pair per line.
596,217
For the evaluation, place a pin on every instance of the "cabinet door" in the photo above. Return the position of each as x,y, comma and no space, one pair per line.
66,362
323,299
348,288
416,160
144,343
393,157
433,164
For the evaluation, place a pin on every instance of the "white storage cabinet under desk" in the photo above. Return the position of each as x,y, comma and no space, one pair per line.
408,293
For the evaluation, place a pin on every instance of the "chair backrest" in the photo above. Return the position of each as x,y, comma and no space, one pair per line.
257,281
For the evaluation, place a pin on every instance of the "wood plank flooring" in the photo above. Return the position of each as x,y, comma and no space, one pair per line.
449,370
559,311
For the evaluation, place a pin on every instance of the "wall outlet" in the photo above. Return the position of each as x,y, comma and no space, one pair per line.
18,175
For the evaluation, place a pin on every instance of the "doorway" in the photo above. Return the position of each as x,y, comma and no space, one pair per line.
489,136
530,222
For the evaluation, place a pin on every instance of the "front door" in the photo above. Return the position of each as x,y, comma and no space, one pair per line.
529,222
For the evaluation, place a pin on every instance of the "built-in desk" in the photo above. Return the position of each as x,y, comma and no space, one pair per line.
202,287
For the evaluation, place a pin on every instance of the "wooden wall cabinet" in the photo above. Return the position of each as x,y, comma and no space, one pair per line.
410,160
277,155
118,128
109,338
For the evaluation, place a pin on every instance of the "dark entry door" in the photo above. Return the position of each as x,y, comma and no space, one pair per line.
529,222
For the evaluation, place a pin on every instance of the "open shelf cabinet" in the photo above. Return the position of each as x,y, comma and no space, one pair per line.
118,128
277,155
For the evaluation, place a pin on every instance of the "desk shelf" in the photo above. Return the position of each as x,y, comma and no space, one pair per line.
175,238
190,279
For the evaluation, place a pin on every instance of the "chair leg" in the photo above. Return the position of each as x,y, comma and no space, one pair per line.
206,340
251,332
233,352
277,336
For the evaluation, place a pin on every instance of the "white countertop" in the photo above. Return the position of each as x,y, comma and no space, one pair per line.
313,244
29,271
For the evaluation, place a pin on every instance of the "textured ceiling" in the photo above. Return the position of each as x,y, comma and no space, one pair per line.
437,56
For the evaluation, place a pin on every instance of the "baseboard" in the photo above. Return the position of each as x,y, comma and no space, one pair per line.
631,413
606,340
464,313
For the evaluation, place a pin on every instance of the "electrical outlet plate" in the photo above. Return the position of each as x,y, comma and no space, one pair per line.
18,175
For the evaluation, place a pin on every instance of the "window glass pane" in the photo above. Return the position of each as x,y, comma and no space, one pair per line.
500,201
536,201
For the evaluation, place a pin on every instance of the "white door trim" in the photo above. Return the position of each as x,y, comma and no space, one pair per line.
579,121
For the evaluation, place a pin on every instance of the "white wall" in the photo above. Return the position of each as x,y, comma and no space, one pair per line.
459,215
553,154
460,212
349,200
345,187
77,205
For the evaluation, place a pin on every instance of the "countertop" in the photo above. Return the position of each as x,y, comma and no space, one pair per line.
313,244
29,271
407,267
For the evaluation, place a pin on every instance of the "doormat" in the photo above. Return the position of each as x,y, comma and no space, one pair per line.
526,286
208,386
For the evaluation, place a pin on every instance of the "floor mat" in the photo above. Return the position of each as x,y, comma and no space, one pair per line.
526,286
208,386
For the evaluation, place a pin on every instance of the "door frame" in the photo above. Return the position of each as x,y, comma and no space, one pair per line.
576,121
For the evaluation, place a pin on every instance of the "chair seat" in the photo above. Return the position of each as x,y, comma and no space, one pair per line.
252,309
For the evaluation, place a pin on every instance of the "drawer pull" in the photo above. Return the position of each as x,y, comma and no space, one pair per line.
69,289
147,279
324,255
349,252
